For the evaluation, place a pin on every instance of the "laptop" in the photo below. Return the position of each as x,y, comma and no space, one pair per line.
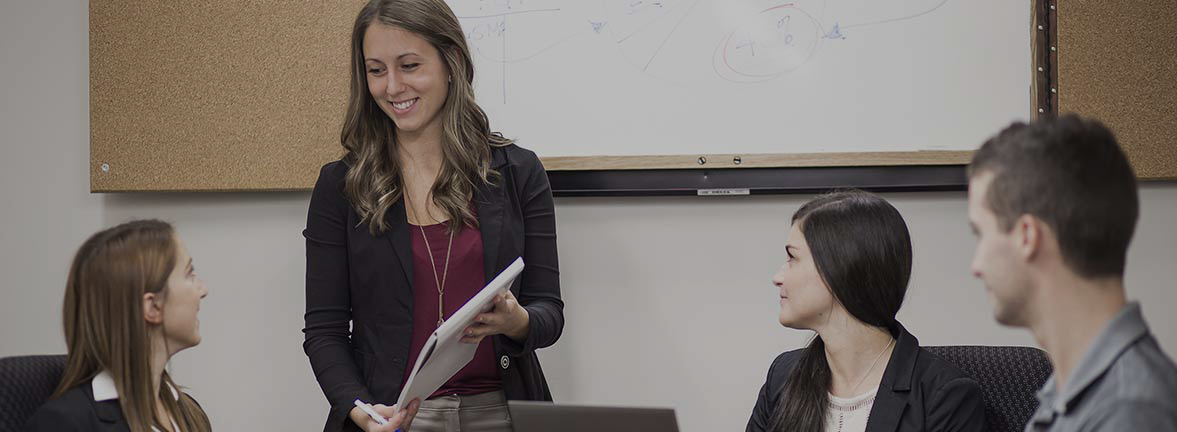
528,416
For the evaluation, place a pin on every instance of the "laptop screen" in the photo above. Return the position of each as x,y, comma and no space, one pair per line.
528,416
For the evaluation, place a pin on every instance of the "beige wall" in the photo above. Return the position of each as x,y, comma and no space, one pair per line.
668,299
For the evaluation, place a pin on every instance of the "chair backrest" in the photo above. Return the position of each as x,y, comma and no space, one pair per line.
1009,377
26,382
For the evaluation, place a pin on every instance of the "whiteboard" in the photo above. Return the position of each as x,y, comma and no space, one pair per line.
678,77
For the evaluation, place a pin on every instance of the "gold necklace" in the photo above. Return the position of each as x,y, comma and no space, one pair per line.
439,283
854,392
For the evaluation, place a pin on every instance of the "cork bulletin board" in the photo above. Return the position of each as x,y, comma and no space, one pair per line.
1115,61
216,95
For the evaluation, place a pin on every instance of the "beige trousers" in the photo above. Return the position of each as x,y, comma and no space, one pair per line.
486,412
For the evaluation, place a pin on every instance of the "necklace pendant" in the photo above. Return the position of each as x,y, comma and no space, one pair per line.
440,321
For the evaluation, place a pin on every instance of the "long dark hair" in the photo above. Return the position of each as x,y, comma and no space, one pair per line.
862,251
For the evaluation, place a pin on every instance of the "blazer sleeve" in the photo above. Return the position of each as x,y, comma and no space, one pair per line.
327,319
769,397
957,406
540,287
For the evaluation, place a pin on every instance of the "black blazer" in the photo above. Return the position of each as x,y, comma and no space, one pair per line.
76,410
365,281
918,392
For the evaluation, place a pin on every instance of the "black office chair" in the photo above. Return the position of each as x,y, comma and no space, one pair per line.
1009,377
26,382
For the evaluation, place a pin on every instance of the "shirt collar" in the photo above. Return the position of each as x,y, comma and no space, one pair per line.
1122,332
104,388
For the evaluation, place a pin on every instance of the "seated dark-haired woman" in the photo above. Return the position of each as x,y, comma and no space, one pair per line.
846,272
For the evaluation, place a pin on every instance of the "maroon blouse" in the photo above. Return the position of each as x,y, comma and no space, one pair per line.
464,279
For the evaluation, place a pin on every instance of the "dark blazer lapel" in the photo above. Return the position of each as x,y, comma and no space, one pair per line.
895,388
490,224
888,409
490,199
398,237
108,410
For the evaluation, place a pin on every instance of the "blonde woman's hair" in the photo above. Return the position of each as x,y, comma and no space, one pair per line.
373,182
104,324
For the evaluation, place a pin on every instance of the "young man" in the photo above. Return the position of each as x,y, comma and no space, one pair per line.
1054,205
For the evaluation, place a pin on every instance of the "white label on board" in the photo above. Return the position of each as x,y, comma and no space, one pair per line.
714,192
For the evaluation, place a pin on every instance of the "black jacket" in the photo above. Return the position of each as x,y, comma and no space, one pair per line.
353,277
918,392
76,410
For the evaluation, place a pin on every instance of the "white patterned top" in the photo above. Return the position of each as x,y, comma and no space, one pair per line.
849,414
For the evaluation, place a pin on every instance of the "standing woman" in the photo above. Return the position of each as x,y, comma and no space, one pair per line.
845,276
424,208
130,305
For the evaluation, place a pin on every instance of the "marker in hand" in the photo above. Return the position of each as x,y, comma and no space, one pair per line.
371,412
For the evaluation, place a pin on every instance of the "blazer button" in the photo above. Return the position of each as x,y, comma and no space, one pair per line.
505,362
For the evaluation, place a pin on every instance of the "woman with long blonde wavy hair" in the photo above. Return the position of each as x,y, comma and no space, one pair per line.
426,205
130,304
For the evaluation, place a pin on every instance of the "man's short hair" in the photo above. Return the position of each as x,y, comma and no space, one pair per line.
1070,173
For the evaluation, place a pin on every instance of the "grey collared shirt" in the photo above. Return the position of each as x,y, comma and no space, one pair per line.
1123,383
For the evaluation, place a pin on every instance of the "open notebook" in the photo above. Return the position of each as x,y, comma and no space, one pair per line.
444,354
